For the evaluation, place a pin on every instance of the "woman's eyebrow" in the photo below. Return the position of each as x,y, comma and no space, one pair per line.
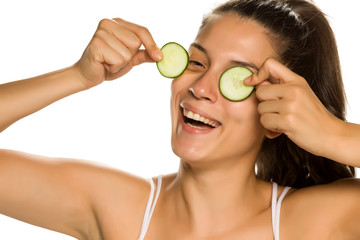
234,62
245,64
199,47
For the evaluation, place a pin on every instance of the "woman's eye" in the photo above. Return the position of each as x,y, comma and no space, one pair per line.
195,63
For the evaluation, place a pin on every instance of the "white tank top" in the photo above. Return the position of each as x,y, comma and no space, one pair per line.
275,208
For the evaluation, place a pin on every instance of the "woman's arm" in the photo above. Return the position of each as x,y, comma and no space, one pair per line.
343,143
21,98
112,52
66,195
46,192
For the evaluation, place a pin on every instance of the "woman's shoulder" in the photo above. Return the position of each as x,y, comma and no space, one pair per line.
119,200
344,190
331,209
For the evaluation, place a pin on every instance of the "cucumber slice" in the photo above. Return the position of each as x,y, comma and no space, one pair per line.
175,60
232,85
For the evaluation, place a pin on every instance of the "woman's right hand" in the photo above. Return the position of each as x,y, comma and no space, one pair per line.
114,50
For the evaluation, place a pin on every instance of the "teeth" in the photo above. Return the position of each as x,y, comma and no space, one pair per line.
197,117
189,114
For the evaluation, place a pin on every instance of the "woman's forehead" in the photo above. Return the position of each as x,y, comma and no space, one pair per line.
230,36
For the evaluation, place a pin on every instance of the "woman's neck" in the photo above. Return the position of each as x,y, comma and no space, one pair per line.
219,197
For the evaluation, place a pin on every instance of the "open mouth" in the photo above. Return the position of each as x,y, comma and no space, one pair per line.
195,120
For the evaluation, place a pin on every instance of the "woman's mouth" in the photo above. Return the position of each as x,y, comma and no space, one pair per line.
198,121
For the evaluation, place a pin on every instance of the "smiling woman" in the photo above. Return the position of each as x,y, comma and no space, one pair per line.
292,127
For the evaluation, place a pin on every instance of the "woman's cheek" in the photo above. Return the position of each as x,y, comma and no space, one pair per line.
246,115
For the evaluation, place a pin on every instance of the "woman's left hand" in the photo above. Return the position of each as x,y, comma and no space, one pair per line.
288,105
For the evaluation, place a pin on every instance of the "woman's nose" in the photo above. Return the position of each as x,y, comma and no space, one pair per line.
206,87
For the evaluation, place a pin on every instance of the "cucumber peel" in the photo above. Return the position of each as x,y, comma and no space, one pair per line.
232,85
175,60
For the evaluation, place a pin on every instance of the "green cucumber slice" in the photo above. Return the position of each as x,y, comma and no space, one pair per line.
175,60
232,85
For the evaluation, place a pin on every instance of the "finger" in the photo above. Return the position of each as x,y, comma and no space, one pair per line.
271,106
270,91
140,57
272,134
272,122
272,71
105,54
126,37
145,37
113,42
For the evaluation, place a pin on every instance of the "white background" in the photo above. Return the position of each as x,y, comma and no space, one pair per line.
124,124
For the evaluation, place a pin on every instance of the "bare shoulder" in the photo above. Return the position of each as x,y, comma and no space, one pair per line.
118,199
330,210
342,192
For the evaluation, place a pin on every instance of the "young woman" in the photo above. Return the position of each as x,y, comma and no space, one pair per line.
292,128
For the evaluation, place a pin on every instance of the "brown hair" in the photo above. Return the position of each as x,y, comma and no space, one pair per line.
307,46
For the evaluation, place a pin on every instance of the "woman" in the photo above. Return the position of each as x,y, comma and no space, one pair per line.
292,126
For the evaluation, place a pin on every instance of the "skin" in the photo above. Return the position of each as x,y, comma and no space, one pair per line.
215,194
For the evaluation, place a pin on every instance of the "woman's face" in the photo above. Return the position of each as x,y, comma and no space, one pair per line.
232,129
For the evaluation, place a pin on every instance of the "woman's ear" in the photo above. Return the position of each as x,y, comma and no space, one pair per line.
271,134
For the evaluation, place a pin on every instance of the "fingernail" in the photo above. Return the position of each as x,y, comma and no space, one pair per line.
158,55
248,80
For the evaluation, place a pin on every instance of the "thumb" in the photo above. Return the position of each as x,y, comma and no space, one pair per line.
272,71
248,81
142,56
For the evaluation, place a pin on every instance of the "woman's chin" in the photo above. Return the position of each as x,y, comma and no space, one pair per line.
190,154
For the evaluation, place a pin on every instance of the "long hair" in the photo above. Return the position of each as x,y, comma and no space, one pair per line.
306,45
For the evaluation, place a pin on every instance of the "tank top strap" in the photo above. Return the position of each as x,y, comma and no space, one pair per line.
153,197
275,209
